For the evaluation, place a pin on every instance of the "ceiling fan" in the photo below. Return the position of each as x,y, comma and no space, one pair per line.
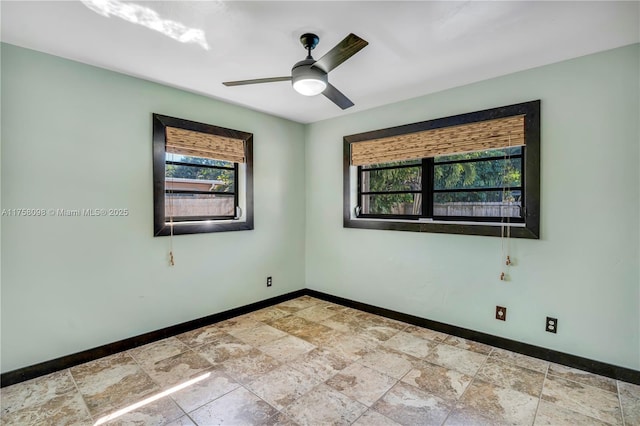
310,77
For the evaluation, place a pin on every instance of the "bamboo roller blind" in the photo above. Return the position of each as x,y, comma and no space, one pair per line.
478,136
197,144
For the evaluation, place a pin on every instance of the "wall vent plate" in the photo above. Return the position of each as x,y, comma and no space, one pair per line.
501,313
551,325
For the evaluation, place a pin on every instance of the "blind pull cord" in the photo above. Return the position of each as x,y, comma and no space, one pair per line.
504,276
171,260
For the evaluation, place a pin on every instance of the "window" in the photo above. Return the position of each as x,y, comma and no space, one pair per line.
391,190
199,188
202,177
478,186
468,174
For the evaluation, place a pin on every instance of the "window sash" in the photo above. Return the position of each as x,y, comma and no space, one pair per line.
428,191
234,194
176,181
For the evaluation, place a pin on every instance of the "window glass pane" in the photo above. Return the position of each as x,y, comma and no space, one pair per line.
198,205
403,179
516,150
478,204
197,160
392,204
481,174
180,177
395,163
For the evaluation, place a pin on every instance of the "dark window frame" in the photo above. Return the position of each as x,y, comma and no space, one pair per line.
197,225
529,227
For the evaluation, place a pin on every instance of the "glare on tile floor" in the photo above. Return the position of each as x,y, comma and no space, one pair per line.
149,400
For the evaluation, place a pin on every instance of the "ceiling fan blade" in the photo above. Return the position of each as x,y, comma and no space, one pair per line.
342,51
256,81
337,97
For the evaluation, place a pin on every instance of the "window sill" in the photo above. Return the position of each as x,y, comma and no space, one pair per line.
494,229
204,226
453,222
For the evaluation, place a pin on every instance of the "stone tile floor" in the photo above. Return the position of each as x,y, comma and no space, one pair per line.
309,362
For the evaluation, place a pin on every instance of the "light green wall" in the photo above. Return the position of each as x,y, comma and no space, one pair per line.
584,269
75,136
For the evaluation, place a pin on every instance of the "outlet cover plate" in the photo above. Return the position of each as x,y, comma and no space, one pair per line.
501,313
551,325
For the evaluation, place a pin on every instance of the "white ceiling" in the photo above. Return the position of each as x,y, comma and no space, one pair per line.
415,48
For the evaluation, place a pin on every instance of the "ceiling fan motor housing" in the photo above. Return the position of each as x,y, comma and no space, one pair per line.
309,41
307,80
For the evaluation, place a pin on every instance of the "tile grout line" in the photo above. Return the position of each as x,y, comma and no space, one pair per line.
397,381
75,384
585,384
292,366
189,417
423,359
292,402
620,402
139,364
546,372
599,389
470,383
246,386
214,399
381,396
40,401
357,361
208,402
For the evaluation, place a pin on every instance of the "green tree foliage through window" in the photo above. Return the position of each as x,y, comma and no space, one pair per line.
475,171
395,179
203,173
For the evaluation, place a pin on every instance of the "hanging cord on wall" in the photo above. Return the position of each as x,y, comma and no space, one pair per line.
171,261
506,254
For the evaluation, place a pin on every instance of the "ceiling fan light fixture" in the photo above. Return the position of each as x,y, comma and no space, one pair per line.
306,80
309,86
